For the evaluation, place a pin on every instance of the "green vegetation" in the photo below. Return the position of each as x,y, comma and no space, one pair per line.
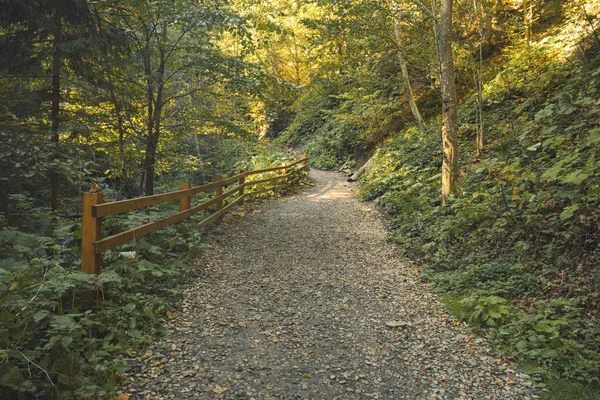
516,249
52,341
139,96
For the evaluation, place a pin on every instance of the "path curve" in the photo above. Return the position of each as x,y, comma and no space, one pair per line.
306,300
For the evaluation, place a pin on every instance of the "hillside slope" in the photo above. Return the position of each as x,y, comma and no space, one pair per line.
516,251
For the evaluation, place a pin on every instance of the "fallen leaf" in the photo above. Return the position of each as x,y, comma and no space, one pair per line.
122,396
509,381
219,389
308,376
396,324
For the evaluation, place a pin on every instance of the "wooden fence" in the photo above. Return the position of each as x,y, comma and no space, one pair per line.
93,244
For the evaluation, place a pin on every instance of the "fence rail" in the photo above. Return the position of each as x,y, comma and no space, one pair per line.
93,244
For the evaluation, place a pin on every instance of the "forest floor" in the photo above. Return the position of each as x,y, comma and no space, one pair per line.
302,297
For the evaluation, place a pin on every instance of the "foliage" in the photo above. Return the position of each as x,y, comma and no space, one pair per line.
52,342
184,89
268,157
485,310
518,246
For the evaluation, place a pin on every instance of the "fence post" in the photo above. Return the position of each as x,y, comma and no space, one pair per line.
285,180
305,160
219,192
91,231
184,203
241,192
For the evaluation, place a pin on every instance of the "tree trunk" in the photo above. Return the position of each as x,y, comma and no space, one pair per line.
151,145
449,111
361,170
481,130
120,123
155,107
528,19
436,35
409,92
152,141
478,78
150,116
54,117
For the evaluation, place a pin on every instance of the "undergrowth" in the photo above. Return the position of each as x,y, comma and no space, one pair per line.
516,250
56,342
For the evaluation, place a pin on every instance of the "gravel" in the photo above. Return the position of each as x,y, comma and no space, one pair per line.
302,298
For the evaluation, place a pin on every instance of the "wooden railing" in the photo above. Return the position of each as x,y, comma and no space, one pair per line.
93,244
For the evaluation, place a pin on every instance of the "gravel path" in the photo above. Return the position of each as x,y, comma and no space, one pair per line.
302,298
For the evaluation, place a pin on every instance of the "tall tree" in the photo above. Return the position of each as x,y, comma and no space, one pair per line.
449,102
54,117
173,56
32,25
408,87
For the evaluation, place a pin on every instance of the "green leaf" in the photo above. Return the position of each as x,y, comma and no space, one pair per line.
10,264
569,212
545,113
157,273
134,333
53,340
40,315
121,368
145,265
66,341
593,137
65,323
129,307
555,170
22,249
575,177
110,276
522,345
535,147
565,104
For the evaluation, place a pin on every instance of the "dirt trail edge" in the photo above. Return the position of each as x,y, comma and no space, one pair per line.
306,300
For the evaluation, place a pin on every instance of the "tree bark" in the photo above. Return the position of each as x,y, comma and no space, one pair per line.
55,97
478,77
449,107
148,156
409,91
528,19
436,35
155,107
360,171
